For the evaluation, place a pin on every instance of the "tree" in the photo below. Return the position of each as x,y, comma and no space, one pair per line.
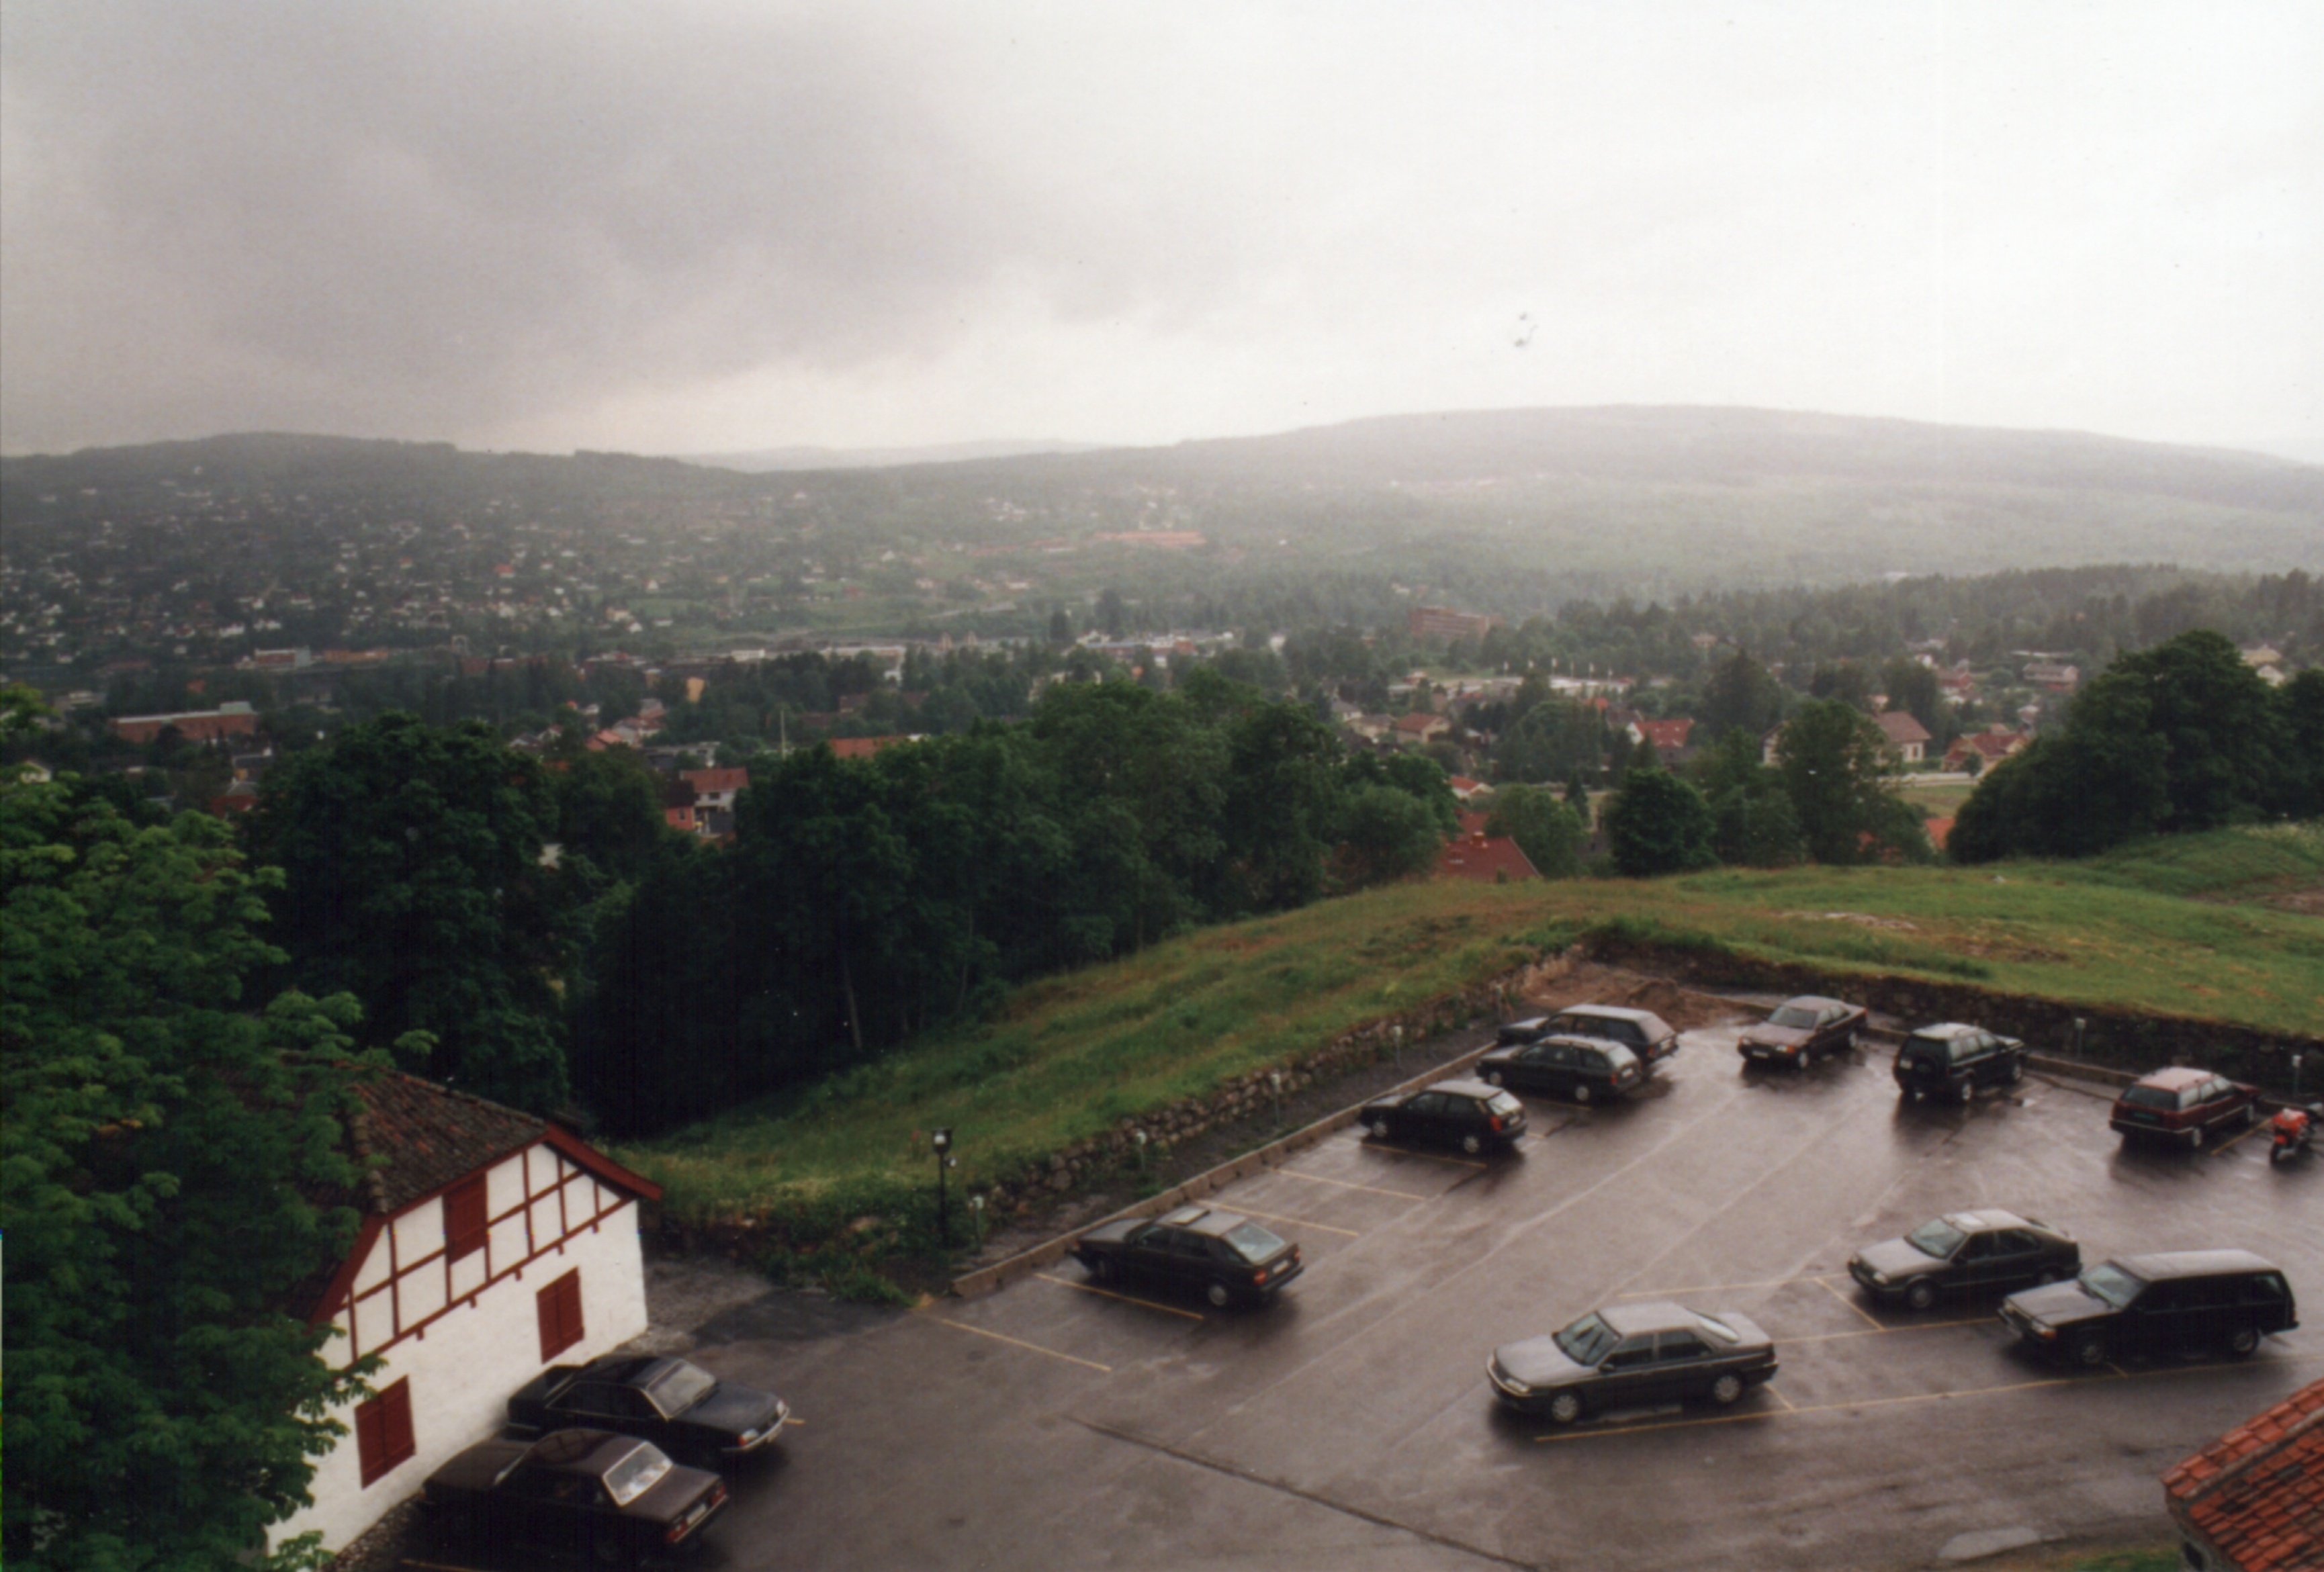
1831,759
2215,719
2301,703
1385,834
413,881
1658,823
163,1151
1549,831
1551,739
1756,824
1740,695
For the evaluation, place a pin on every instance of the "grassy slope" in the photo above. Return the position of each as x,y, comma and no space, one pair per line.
1077,1053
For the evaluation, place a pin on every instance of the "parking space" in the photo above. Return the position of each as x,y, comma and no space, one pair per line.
1357,1406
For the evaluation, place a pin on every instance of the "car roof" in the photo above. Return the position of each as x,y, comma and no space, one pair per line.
1610,1012
582,1451
1655,1315
1816,1001
2177,1078
1201,1220
1945,1029
1987,1219
1594,1044
2192,1264
1466,1086
629,1369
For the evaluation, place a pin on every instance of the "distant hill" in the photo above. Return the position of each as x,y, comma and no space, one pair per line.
791,458
1511,510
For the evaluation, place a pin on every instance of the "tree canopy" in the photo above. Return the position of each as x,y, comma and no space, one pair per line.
1659,823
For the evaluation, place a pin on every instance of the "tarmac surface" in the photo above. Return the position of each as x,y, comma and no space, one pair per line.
1350,1426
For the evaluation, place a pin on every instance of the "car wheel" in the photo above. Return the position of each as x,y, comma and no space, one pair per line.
1968,1090
1726,1389
1377,1129
2088,1350
2195,1139
2017,1070
2243,1342
2251,1115
1855,1041
1492,1078
1566,1407
2052,1272
1104,1269
1582,1094
1472,1144
1218,1295
1922,1295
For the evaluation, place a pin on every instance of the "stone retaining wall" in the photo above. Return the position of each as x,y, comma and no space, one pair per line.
2123,1040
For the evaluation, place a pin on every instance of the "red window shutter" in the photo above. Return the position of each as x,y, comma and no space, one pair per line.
465,1217
383,1436
560,1308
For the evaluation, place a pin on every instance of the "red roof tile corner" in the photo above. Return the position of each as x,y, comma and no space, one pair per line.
2253,1499
1490,861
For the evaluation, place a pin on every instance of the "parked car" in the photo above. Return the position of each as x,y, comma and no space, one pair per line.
1468,1114
1802,1029
1221,1256
606,1498
674,1403
1585,1069
1642,1032
1628,1356
2180,1104
1965,1252
1952,1059
2179,1301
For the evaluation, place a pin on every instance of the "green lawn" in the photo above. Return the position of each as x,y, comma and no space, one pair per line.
1076,1053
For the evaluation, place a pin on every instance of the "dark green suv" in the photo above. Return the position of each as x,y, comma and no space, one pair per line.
1952,1061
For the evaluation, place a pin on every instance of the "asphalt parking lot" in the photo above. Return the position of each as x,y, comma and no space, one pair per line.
1350,1426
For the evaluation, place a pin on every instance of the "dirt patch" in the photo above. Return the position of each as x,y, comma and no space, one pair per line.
1862,919
2307,903
1556,985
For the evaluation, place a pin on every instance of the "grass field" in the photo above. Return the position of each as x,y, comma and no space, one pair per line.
1076,1053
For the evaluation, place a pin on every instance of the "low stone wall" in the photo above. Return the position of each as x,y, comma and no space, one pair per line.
2123,1040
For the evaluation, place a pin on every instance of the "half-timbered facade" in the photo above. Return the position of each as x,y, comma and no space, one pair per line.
492,1243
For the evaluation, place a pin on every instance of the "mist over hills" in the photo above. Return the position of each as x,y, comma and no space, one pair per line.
1540,503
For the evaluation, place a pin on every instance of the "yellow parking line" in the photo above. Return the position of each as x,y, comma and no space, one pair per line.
2248,1132
1877,1330
1167,1309
1711,1287
1020,1343
1296,1222
1775,1392
1343,1184
1429,1156
1851,1304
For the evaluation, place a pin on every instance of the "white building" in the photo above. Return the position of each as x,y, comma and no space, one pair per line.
492,1243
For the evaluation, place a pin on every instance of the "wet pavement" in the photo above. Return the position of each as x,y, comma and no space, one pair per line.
1350,1426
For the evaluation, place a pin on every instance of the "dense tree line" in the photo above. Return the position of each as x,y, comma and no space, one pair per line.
2184,736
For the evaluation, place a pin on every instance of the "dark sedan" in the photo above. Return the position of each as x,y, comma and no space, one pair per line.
674,1403
1587,1070
1965,1252
1221,1256
1803,1029
611,1499
1467,1114
1632,1356
2181,1104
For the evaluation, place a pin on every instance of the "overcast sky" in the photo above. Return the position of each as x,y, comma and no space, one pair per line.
687,227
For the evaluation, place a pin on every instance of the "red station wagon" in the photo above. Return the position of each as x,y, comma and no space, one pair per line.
2181,1104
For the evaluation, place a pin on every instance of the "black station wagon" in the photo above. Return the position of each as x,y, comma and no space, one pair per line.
1468,1114
1642,1032
2175,1303
1221,1256
1585,1069
1952,1061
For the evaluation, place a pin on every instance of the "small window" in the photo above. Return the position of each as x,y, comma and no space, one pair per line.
559,1308
1680,1346
384,1430
464,1217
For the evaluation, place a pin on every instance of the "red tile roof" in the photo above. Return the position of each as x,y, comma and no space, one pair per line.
1670,734
2257,1494
706,781
1940,831
862,747
1488,861
1901,727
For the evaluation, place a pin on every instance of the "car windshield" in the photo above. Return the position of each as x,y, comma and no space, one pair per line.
1794,1015
1253,1243
1716,1327
1937,1237
635,1474
1587,1340
2151,1097
2111,1283
1501,1102
681,1387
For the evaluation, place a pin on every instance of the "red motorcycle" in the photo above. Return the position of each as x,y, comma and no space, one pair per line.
2291,1131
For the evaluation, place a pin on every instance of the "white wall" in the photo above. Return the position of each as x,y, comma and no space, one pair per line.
464,1366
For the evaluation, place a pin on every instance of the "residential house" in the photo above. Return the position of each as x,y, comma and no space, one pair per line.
1441,622
491,1242
1668,738
1907,738
1485,859
2253,1500
715,788
1466,789
2057,675
1420,727
862,747
1988,747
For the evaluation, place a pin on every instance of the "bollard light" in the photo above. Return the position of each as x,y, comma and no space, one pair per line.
942,1140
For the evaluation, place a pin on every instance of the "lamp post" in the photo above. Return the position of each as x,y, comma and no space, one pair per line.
942,1140
2079,1024
2295,1075
1275,1080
